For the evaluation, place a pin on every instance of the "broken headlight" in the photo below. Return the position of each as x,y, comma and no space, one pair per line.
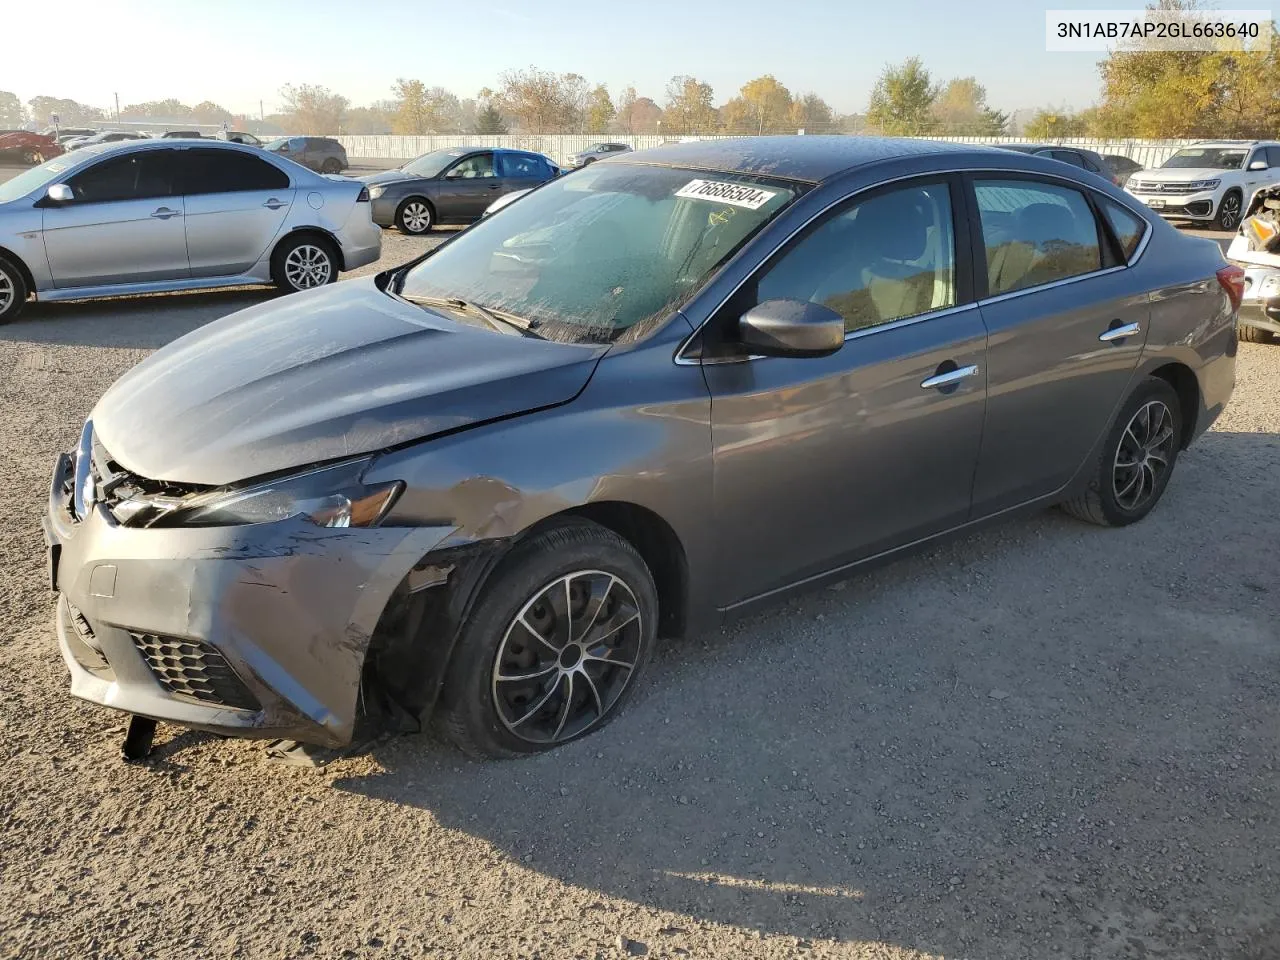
331,496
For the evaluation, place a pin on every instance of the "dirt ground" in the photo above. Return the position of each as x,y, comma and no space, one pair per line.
1047,740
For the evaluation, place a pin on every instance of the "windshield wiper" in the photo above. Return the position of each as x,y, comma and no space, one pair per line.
501,322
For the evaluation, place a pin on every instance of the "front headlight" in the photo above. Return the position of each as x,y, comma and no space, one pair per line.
328,497
376,192
1204,184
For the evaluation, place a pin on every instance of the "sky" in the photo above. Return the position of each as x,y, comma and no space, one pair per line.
240,52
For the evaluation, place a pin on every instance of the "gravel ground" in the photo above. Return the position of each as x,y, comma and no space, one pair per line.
1047,740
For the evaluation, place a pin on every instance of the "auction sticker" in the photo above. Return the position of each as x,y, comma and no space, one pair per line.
737,194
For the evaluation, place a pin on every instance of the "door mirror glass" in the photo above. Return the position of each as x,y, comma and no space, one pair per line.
59,193
1258,165
454,174
791,328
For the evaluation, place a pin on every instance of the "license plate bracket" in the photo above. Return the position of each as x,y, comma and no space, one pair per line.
1155,203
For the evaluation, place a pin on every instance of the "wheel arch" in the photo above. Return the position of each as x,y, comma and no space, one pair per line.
314,231
1185,384
431,205
27,277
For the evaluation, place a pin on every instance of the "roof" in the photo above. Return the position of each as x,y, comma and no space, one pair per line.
807,158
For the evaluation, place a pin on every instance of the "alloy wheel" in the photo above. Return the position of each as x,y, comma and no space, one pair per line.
567,657
1144,455
7,291
307,266
1229,212
416,217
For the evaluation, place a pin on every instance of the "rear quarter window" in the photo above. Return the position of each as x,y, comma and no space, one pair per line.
1128,227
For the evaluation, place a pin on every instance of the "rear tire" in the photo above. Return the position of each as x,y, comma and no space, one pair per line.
415,216
1137,459
331,166
32,157
511,691
1254,334
13,290
303,262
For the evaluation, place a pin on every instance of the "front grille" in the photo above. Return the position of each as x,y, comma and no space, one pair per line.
1151,186
191,669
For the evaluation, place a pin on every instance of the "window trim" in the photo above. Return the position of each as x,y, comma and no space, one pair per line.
692,341
962,258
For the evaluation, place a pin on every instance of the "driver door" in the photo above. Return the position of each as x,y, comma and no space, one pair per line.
468,187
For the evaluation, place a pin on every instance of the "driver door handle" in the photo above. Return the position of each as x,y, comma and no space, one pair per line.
274,204
1120,332
164,213
948,378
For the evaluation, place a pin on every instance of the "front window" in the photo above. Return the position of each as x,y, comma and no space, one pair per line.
28,180
1210,158
432,164
594,256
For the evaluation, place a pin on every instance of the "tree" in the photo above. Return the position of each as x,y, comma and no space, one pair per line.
416,111
689,106
210,112
373,119
170,109
626,106
489,120
902,100
960,109
812,114
763,105
600,111
313,108
1055,124
70,113
541,101
12,116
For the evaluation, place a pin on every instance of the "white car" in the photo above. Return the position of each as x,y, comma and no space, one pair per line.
1212,182
151,216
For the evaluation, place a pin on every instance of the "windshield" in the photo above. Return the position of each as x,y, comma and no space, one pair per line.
432,164
28,180
1213,158
595,255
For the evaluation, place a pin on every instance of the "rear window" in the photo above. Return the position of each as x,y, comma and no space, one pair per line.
1035,233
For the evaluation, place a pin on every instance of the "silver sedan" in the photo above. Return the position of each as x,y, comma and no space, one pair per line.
151,217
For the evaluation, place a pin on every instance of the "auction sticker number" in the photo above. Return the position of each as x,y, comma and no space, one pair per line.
736,194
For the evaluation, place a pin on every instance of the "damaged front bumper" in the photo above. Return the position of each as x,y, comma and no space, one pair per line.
253,630
1260,305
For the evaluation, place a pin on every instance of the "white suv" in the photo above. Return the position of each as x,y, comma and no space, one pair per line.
1210,181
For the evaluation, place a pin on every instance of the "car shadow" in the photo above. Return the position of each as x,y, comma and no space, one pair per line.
144,322
970,737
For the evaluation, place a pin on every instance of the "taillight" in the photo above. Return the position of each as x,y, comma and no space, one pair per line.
1232,279
363,195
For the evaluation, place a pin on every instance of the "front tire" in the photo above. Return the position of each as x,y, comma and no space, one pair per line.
1254,334
1137,459
556,643
13,290
1228,217
415,217
32,157
304,262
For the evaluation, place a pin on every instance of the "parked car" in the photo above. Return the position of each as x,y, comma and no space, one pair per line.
157,215
63,134
1076,156
322,154
1212,181
105,136
1123,167
1256,248
453,185
647,396
239,136
22,146
182,135
597,151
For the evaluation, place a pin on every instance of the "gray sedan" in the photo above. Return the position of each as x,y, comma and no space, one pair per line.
642,399
152,216
453,185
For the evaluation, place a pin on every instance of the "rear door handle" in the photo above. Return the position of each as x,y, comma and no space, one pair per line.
274,204
164,213
1120,332
494,186
949,378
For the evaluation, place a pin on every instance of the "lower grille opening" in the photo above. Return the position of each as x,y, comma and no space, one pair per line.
84,645
191,669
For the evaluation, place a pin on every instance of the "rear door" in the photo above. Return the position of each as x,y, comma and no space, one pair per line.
468,187
1066,331
236,204
521,171
125,224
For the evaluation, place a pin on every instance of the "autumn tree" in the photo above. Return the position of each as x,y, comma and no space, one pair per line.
763,105
1055,124
70,112
812,114
169,109
541,101
415,112
374,119
902,100
960,109
689,107
313,108
600,110
11,113
209,112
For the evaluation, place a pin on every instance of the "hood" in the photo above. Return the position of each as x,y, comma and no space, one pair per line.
387,176
319,375
1179,174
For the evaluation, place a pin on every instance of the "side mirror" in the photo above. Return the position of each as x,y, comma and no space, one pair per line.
791,328
59,193
453,175
1259,165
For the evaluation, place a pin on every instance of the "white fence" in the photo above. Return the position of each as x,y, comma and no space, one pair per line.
560,147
